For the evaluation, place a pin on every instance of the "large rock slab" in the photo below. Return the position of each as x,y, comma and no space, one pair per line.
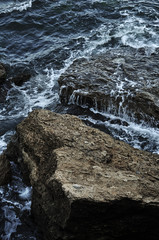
86,185
122,82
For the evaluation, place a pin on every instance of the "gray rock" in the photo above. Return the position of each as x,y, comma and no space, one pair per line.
121,82
86,185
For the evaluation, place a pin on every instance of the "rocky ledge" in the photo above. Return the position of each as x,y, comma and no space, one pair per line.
121,82
86,185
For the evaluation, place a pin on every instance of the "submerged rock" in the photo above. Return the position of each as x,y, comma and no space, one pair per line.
86,185
14,75
121,82
20,79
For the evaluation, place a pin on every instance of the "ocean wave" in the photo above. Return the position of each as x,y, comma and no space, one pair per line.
8,7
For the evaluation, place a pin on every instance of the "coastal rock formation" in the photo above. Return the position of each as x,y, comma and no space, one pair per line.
120,82
86,185
5,170
2,73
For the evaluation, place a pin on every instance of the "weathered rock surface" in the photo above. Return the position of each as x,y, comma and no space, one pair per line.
121,82
2,73
86,185
5,170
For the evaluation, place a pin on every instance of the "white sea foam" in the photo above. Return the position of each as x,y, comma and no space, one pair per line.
132,31
25,193
39,92
133,133
10,6
3,144
4,140
15,199
11,222
136,33
1,191
27,206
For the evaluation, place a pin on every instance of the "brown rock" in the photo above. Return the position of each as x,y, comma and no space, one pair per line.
86,185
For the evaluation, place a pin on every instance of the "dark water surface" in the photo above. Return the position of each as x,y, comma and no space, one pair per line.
44,37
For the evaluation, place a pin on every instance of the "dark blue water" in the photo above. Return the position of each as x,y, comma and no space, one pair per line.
44,37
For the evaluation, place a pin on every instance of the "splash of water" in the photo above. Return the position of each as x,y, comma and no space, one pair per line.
10,6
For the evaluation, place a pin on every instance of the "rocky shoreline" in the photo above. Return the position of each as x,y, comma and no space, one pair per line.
86,185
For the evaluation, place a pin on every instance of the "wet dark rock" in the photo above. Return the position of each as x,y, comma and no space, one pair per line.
20,79
119,122
86,185
121,82
84,112
5,170
148,102
2,73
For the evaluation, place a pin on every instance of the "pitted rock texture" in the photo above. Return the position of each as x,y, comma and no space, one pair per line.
86,185
121,82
